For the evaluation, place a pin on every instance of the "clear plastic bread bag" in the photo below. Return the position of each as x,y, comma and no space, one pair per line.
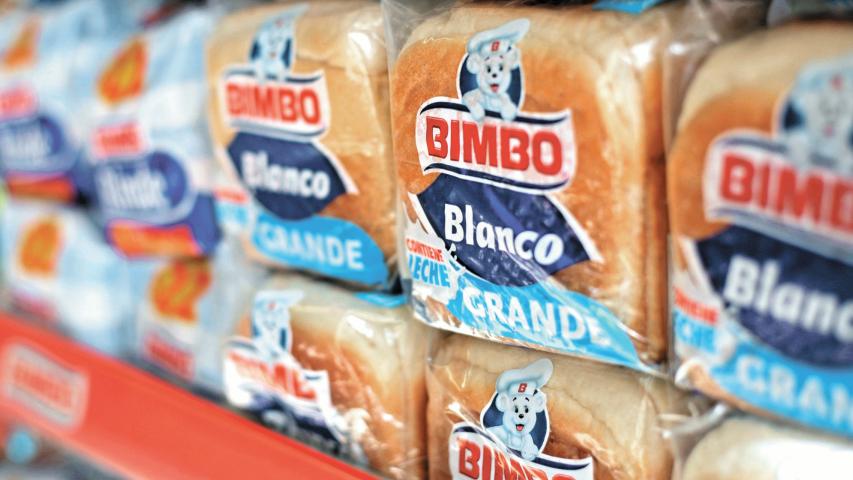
727,445
498,411
529,147
50,57
338,370
150,153
299,119
58,270
188,308
760,186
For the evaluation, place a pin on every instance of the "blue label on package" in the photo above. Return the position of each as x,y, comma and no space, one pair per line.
627,6
329,246
34,145
503,236
293,180
540,314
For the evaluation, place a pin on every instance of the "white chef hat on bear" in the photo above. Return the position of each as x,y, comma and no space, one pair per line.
525,381
500,39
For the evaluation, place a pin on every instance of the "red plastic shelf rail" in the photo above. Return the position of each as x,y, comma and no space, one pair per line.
135,424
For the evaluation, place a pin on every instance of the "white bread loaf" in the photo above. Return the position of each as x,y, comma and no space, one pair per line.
342,42
373,357
588,62
599,411
749,448
759,177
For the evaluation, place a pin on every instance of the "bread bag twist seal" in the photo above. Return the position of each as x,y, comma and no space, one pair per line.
761,205
301,130
529,149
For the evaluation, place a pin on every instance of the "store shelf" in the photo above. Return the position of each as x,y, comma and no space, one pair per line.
136,424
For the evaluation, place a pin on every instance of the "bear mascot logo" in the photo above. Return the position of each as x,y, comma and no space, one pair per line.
816,119
495,62
271,324
523,421
273,49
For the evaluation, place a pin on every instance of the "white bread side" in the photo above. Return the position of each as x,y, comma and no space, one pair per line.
374,357
753,449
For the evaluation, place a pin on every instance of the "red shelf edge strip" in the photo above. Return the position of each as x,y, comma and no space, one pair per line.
137,424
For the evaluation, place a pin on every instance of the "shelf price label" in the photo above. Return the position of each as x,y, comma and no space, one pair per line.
43,386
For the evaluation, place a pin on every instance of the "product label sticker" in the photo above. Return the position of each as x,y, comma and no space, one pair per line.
39,383
280,118
126,74
489,233
514,428
767,302
170,322
165,351
32,271
150,158
262,376
40,246
23,49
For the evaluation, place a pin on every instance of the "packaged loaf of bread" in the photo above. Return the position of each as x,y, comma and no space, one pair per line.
761,207
57,269
339,370
40,141
497,411
188,310
529,150
300,126
150,153
727,446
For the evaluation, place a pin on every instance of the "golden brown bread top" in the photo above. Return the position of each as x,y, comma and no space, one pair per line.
767,59
620,51
608,412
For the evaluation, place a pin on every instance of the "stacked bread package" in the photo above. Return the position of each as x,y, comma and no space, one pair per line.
56,268
529,150
149,151
189,308
341,371
761,208
40,137
512,412
301,130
